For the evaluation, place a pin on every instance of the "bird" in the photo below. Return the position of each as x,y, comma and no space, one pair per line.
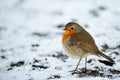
78,43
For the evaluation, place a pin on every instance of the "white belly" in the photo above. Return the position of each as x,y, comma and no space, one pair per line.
74,51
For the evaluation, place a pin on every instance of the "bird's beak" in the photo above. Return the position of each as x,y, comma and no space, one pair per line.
64,29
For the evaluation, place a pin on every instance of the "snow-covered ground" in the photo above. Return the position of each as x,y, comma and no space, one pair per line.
31,31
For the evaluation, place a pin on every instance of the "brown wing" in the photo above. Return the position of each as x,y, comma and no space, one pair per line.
84,41
88,47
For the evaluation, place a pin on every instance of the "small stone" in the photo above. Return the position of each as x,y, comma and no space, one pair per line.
60,26
18,64
58,68
35,45
3,57
94,13
102,8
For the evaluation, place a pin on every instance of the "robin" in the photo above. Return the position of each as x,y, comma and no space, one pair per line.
77,42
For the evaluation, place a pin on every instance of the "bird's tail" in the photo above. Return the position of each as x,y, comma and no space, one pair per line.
108,58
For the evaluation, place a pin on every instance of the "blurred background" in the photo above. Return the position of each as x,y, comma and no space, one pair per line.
31,31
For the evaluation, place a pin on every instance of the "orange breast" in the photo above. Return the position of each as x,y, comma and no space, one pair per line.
66,34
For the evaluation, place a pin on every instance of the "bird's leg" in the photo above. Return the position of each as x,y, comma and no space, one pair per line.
76,66
85,64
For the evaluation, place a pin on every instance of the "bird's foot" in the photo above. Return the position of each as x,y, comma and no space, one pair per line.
78,71
84,70
75,71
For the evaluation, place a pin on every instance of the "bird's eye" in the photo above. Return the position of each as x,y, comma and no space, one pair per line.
72,28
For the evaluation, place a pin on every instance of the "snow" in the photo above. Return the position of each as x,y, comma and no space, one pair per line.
21,19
